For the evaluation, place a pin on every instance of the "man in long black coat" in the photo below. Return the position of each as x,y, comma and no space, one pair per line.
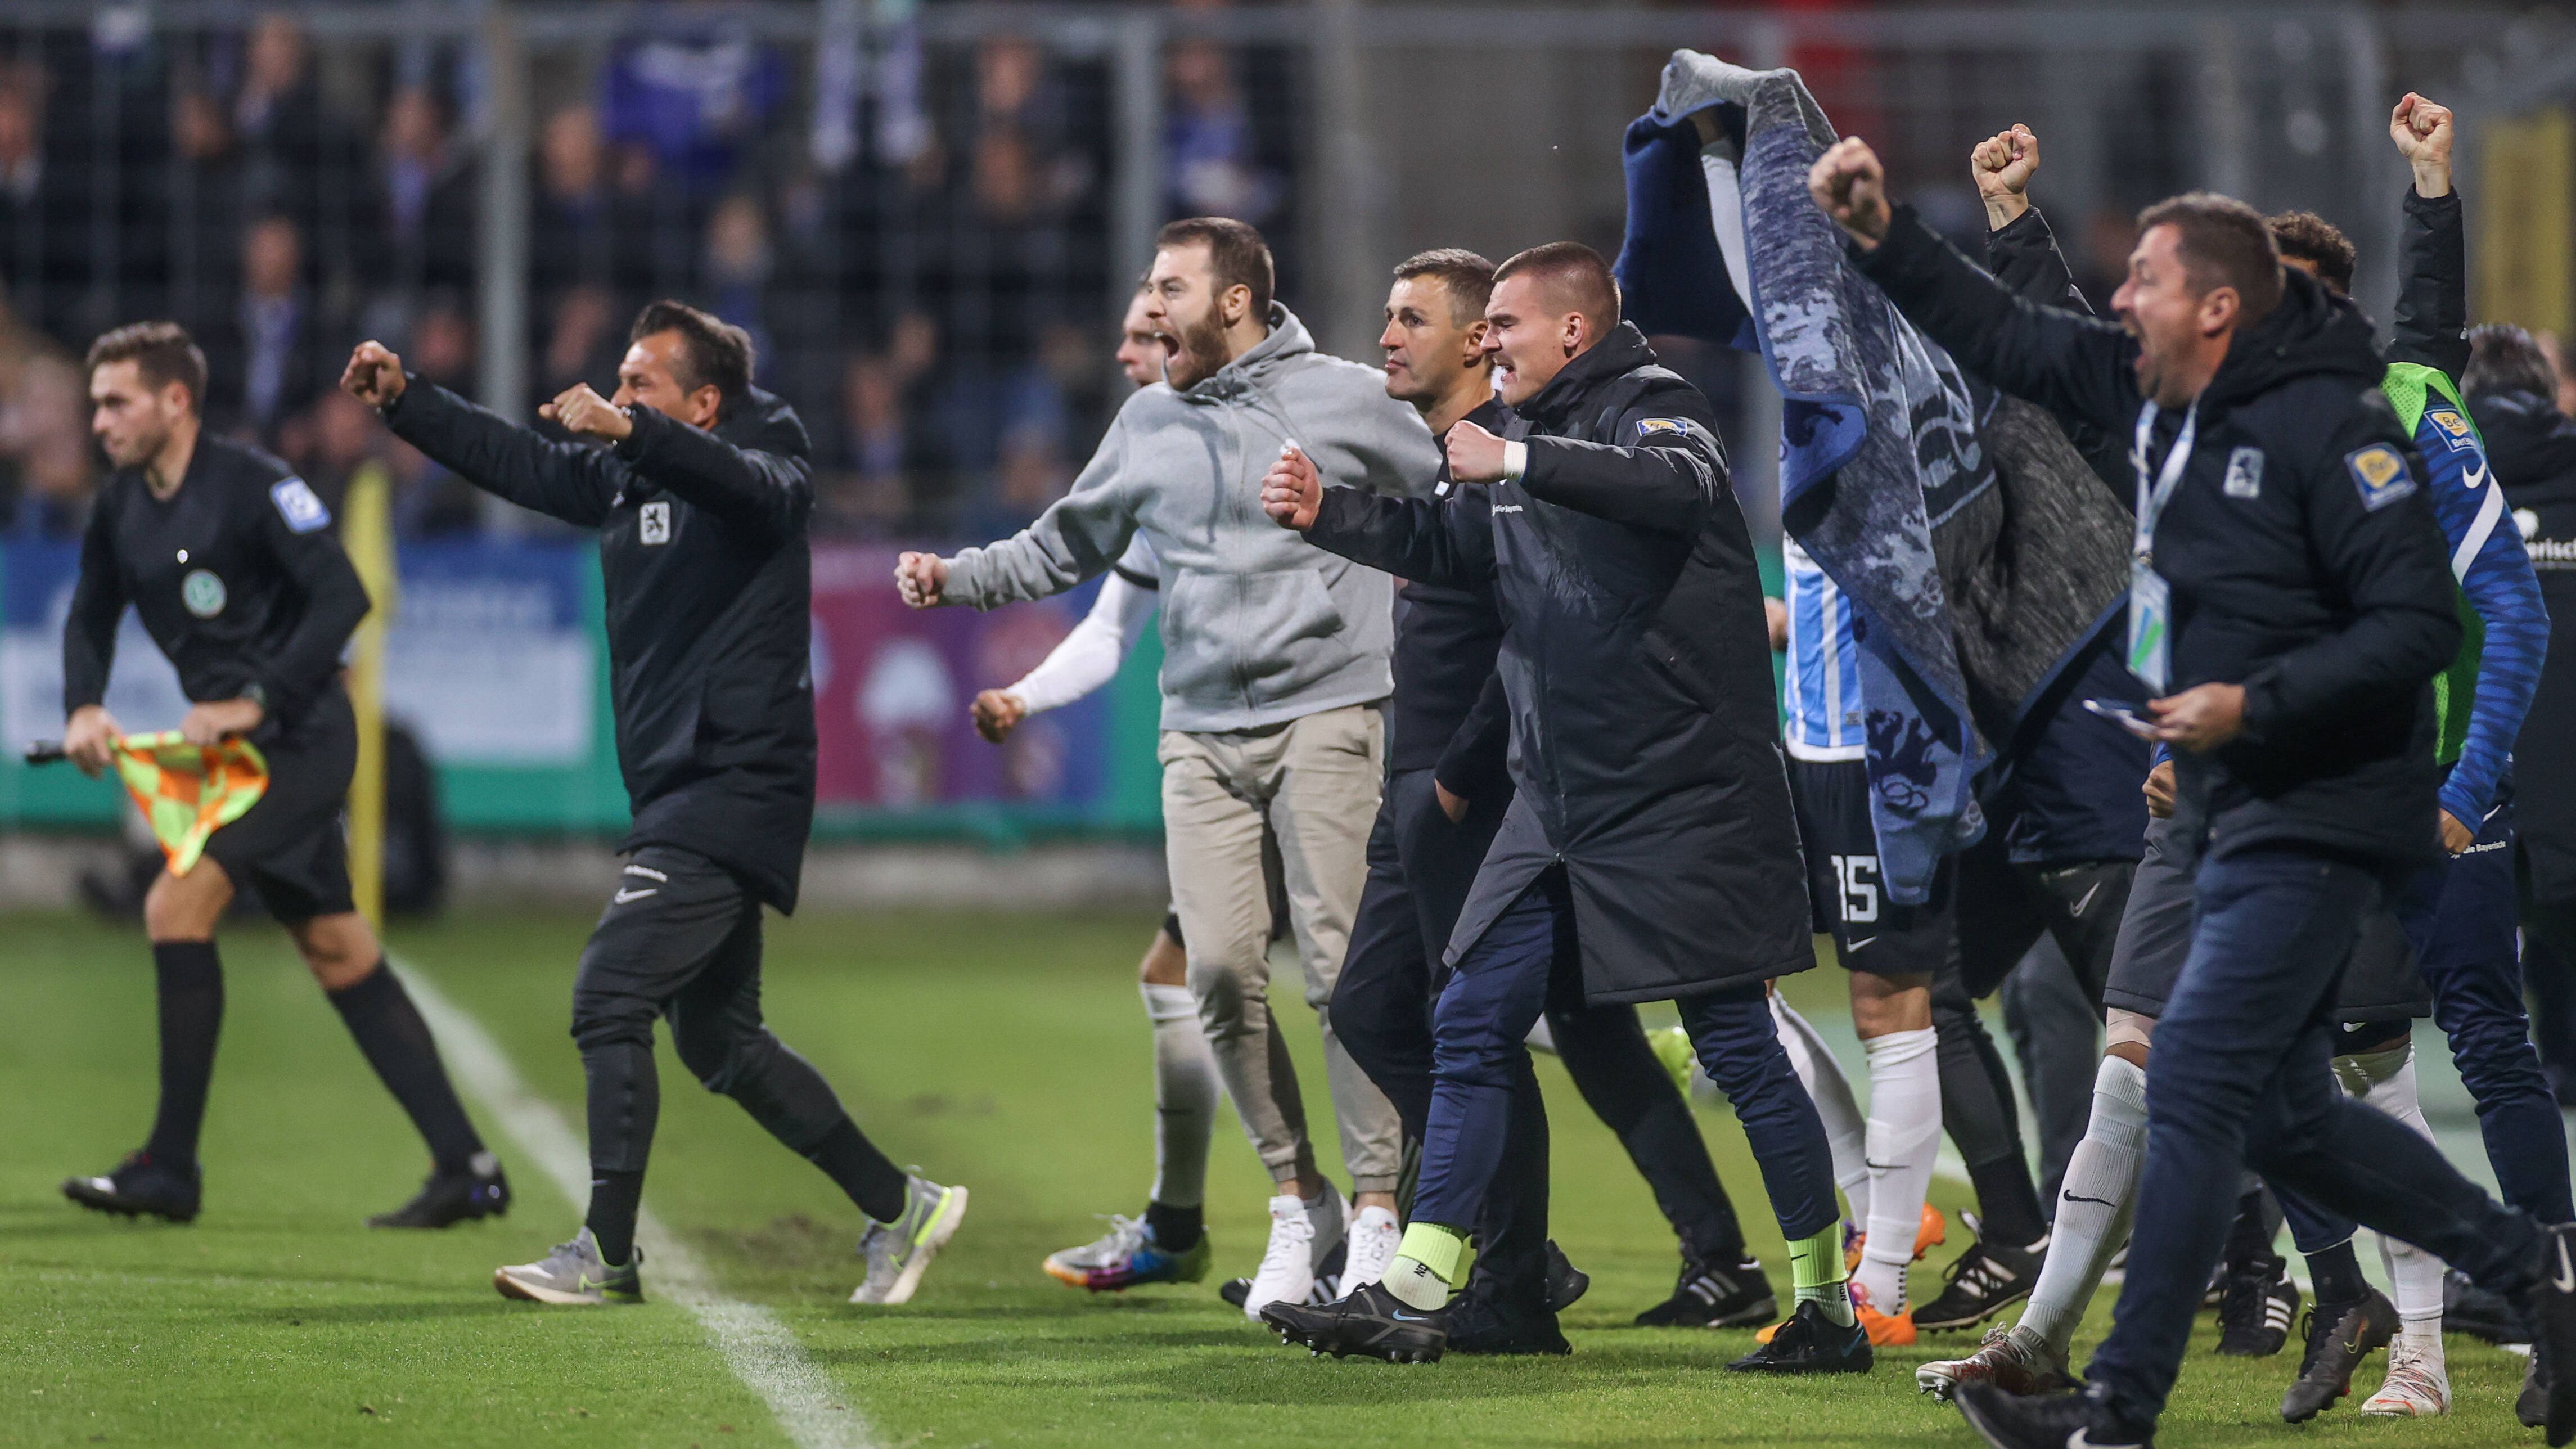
1650,845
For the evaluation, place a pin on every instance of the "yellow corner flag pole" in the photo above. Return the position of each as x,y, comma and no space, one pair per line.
366,531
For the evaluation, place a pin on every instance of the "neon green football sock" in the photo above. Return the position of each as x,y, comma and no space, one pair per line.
1817,1273
1430,1264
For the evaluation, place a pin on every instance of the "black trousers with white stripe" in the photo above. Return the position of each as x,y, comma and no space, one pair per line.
681,939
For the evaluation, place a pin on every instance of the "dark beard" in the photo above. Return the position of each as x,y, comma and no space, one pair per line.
1197,356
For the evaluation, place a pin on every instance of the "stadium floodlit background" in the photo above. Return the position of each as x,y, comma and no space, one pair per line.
928,215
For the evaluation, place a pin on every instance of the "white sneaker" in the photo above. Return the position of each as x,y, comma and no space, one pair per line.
1375,1235
1299,1242
2418,1384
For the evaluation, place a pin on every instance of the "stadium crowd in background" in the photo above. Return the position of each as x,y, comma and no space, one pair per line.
916,248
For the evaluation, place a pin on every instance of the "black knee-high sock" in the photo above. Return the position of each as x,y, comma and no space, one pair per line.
191,993
615,1199
870,1178
2337,1275
380,1014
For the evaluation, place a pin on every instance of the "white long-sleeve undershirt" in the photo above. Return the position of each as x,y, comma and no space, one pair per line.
1089,656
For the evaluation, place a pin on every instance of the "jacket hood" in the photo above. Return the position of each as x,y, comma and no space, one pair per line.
2531,444
1616,355
1288,342
2312,332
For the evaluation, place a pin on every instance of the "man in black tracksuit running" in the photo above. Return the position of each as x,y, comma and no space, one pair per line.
1448,788
701,501
2290,605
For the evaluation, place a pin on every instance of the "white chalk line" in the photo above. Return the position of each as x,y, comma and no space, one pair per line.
760,1350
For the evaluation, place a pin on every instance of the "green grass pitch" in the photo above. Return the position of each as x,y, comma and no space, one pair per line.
1005,1052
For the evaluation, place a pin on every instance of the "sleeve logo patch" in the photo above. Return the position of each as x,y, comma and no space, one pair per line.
297,504
653,524
1668,427
2379,472
2245,473
2454,429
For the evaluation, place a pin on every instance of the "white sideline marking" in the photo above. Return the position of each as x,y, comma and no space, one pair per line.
756,1346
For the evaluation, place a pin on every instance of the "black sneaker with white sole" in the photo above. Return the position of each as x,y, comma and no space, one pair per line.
1715,1295
2256,1309
141,1186
1372,1322
2057,1421
478,1190
2340,1336
1810,1342
1986,1279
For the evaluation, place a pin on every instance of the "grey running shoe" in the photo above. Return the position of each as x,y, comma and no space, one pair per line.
573,1275
899,1251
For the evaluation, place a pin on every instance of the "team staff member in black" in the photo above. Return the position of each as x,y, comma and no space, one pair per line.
229,560
1649,852
701,500
2290,604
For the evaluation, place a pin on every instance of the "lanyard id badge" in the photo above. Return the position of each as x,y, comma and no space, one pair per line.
2150,655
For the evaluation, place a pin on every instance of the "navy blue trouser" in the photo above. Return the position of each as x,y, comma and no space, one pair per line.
1497,992
2460,917
2243,1076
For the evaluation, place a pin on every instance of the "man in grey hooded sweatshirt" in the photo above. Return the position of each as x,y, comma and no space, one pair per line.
1275,668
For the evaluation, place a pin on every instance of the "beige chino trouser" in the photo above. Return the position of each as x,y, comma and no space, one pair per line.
1315,783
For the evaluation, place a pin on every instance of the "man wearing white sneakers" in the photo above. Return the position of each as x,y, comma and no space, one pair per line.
1275,671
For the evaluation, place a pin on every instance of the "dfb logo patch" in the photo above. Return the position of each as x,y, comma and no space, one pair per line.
2379,473
1667,427
653,525
2245,473
297,504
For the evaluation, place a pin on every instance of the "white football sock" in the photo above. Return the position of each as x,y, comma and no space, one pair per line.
1846,1135
1903,1138
1186,1091
2092,1206
2386,1080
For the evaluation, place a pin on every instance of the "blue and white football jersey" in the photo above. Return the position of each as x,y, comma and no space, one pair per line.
1823,676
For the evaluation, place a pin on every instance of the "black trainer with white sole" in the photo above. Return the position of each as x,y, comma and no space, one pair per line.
2256,1309
1372,1323
1716,1295
1986,1279
141,1186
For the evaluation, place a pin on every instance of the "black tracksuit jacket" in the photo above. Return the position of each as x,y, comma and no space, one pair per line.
1447,714
1644,724
237,576
2323,588
703,554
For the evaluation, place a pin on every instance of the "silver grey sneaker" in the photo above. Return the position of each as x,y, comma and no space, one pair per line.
573,1275
898,1252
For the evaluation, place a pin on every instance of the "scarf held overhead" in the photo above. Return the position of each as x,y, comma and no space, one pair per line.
1977,549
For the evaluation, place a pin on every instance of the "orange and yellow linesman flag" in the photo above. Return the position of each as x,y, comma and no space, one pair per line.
188,791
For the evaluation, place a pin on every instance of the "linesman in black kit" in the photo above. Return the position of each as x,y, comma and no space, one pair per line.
230,562
700,497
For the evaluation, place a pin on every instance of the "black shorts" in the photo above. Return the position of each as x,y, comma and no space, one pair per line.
290,849
1844,891
2380,983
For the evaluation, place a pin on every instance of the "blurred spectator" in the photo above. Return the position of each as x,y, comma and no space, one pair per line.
867,492
429,501
344,434
44,438
294,152
424,198
694,99
737,267
587,230
1208,141
262,357
41,253
442,344
205,190
1021,167
584,340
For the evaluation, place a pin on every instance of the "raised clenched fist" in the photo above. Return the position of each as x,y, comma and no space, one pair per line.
922,579
2422,131
374,375
1851,186
1292,490
2002,165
